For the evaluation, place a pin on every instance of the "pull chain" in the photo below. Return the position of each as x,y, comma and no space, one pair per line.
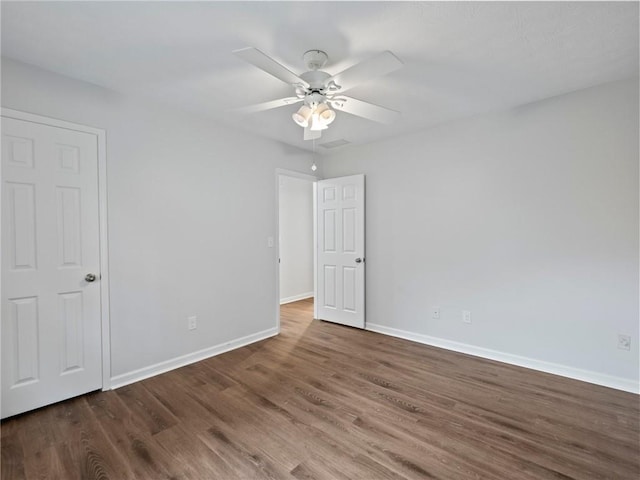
314,167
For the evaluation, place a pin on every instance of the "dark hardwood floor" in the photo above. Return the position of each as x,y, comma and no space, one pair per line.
332,402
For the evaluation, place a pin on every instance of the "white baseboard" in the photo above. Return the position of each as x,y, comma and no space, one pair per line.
177,362
295,298
618,383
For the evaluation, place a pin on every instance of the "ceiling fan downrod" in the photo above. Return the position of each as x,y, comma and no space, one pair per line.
315,59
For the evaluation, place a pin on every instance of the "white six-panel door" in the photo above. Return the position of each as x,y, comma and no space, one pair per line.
340,250
51,324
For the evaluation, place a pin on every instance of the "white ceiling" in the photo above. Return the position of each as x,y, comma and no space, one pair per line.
461,58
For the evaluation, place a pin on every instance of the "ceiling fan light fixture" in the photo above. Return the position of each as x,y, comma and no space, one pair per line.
316,123
302,116
325,114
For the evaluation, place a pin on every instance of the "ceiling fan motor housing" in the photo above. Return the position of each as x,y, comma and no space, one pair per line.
316,79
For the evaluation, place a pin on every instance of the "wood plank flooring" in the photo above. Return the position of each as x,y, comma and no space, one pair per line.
322,401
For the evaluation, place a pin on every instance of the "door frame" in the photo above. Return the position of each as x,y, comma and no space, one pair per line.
313,179
100,134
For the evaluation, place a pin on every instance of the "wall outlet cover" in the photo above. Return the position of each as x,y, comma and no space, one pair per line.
624,342
466,316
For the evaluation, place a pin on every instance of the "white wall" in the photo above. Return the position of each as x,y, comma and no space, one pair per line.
191,205
527,218
296,238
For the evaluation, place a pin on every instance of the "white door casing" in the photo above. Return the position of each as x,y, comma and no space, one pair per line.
340,240
51,316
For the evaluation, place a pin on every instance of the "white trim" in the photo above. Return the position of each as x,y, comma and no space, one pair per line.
625,384
177,362
102,217
52,122
315,248
105,301
293,173
304,176
295,298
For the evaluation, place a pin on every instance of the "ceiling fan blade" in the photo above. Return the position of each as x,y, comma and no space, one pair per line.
311,134
269,65
376,66
365,109
260,107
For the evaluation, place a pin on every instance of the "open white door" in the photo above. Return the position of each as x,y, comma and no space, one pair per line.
340,247
51,313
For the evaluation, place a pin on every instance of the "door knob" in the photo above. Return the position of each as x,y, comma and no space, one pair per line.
359,260
90,277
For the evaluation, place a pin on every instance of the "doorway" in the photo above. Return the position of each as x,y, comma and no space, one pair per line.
296,234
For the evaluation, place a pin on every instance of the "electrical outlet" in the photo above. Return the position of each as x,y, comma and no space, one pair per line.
624,342
435,312
192,322
466,316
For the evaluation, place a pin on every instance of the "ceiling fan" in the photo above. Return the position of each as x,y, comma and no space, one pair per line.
321,92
